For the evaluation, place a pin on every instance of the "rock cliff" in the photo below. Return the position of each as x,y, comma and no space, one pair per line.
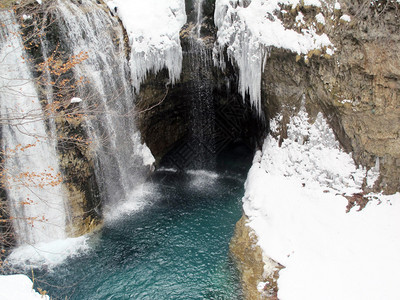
357,88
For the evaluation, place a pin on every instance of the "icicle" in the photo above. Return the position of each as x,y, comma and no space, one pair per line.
246,31
153,28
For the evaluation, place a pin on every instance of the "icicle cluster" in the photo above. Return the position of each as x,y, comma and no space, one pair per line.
246,32
153,28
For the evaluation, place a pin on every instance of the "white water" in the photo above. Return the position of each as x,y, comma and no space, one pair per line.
202,111
48,254
121,158
36,205
199,13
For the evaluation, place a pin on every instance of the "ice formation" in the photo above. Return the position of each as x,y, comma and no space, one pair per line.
246,32
153,28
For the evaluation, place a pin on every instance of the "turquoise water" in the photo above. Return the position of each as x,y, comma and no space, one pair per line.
175,248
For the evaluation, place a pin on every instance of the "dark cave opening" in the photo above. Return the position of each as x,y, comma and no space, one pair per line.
193,123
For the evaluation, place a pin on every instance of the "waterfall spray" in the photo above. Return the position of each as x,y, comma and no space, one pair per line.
121,157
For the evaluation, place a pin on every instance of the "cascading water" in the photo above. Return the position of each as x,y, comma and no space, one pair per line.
202,114
121,158
36,197
199,16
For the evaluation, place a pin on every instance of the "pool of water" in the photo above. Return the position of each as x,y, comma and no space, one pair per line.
177,247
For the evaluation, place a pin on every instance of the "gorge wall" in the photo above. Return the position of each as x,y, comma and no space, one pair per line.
357,88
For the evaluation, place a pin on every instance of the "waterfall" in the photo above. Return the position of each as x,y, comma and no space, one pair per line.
198,149
199,16
121,158
202,113
32,180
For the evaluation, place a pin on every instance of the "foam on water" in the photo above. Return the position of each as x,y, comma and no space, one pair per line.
202,179
137,200
49,254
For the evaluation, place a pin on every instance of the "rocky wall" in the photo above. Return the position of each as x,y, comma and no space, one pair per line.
259,274
357,88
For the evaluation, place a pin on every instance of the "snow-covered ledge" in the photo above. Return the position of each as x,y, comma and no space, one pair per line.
246,29
296,199
153,28
18,286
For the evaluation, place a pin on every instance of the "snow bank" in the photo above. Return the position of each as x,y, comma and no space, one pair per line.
295,205
247,32
153,28
14,287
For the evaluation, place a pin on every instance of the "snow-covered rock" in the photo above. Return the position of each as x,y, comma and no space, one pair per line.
18,287
153,28
296,206
247,31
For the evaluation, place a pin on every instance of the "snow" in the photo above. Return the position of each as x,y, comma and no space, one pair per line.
153,28
337,6
14,287
345,18
300,18
330,51
373,174
247,32
315,3
143,151
295,205
76,100
320,18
